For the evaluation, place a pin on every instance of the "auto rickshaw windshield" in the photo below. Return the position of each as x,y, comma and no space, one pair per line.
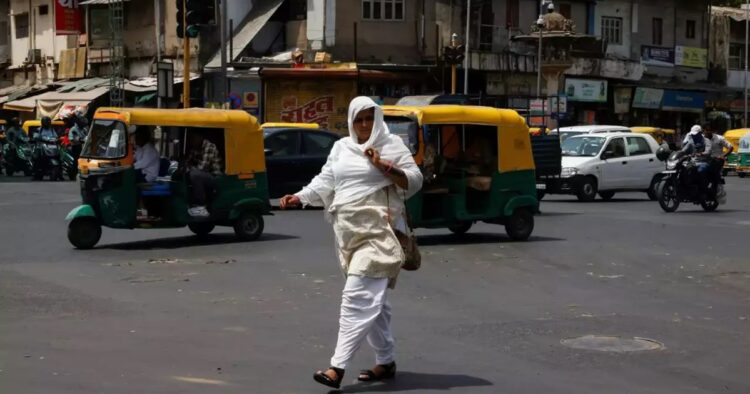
107,140
405,128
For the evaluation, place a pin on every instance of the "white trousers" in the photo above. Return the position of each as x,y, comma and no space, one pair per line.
365,312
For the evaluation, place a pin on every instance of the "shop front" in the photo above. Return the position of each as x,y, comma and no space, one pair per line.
588,101
686,108
646,108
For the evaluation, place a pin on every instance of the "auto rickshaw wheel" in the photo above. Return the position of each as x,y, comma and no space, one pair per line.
201,229
520,224
84,233
249,226
460,229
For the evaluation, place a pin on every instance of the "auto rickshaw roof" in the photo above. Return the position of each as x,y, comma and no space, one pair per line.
38,123
645,129
457,114
270,125
736,133
188,117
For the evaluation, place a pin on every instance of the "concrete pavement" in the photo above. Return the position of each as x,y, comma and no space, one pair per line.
159,312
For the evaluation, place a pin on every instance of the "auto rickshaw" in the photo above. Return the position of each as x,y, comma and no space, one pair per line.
111,195
477,164
30,126
733,137
270,125
743,160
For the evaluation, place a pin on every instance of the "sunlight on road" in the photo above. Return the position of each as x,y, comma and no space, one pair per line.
188,379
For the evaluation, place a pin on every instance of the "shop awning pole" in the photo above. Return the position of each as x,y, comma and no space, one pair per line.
466,56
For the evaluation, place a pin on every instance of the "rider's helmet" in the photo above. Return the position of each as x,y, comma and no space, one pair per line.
663,153
46,122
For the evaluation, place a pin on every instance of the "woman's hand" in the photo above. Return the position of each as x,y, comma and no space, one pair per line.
374,155
289,201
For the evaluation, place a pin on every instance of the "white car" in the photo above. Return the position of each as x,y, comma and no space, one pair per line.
566,132
606,163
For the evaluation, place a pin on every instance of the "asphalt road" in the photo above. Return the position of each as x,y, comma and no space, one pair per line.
160,312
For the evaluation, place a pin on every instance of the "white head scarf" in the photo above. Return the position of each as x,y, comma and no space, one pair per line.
349,175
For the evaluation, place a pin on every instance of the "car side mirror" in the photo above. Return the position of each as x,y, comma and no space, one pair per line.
606,155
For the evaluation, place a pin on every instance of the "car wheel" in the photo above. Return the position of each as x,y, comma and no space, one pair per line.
201,229
606,196
84,233
651,192
520,224
460,229
666,193
587,190
249,226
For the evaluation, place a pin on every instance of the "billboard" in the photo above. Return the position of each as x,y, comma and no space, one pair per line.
68,19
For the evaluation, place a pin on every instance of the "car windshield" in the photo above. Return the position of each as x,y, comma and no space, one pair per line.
405,128
564,135
582,146
107,140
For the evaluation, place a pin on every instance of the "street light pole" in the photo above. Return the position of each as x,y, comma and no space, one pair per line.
466,43
747,14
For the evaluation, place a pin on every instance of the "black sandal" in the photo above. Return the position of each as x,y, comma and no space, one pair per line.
323,379
369,375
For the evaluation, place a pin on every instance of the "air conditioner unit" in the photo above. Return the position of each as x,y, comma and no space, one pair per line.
34,56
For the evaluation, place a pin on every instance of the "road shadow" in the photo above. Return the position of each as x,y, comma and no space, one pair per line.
415,381
473,239
599,201
699,211
553,214
190,240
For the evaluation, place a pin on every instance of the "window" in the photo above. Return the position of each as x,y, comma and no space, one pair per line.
43,9
615,148
512,13
386,10
4,33
736,56
285,143
565,10
690,29
612,30
638,146
21,22
656,34
318,144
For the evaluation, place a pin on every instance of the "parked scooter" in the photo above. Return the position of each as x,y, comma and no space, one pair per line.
681,183
17,155
46,154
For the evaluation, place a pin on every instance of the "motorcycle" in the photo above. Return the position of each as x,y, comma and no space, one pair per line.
17,158
46,160
69,163
680,183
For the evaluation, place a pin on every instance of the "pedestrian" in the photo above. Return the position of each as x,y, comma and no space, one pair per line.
363,186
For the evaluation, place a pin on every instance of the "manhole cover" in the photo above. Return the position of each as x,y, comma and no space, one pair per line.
612,344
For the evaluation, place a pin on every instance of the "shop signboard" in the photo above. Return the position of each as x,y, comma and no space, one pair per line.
68,17
657,56
690,57
558,104
623,96
647,98
586,90
682,101
324,102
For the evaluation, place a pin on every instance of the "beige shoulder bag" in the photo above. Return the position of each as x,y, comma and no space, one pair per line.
413,259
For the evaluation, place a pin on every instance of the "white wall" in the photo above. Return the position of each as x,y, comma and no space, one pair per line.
316,22
43,26
619,9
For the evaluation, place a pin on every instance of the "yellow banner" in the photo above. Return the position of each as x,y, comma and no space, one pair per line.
321,102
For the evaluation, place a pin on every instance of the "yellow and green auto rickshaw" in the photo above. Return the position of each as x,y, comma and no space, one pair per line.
30,126
477,165
111,196
282,125
743,153
733,137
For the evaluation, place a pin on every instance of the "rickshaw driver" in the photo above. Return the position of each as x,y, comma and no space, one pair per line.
203,162
146,160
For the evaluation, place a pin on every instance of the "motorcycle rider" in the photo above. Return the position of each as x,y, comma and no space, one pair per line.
712,158
44,136
45,132
77,134
14,131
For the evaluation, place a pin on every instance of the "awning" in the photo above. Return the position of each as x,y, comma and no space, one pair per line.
737,14
255,20
96,2
15,92
50,103
150,84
